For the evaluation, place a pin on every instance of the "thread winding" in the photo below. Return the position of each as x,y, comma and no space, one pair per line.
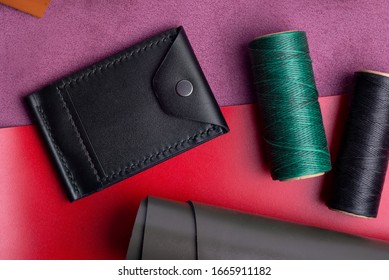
363,160
288,99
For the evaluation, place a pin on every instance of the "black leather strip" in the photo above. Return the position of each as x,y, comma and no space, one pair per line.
136,244
226,234
168,233
221,233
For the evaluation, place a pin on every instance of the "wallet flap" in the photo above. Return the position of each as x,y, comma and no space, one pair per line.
181,64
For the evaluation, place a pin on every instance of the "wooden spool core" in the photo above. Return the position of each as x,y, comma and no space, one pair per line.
350,214
275,33
304,177
374,72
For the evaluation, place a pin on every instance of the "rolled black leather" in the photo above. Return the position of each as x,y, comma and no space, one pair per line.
206,232
163,230
123,115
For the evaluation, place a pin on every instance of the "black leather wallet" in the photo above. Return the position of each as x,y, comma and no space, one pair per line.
127,113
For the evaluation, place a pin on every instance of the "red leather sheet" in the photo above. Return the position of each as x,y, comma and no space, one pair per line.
38,222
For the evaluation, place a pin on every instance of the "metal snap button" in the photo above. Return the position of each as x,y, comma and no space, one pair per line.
184,88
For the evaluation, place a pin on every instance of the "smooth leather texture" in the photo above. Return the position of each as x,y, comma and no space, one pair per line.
168,239
199,106
122,115
244,236
163,230
38,222
136,244
216,233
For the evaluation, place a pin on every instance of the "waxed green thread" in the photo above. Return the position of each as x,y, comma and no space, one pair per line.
288,98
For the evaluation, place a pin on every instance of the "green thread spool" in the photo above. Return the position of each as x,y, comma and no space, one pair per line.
287,95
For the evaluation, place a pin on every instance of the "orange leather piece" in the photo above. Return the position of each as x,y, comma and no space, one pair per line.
34,7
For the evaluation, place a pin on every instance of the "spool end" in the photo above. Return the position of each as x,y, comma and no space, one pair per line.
374,72
277,33
350,214
304,177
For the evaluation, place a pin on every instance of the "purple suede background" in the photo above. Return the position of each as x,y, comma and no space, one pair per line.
344,36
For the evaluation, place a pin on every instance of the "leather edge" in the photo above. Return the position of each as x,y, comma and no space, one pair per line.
135,246
193,208
41,120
